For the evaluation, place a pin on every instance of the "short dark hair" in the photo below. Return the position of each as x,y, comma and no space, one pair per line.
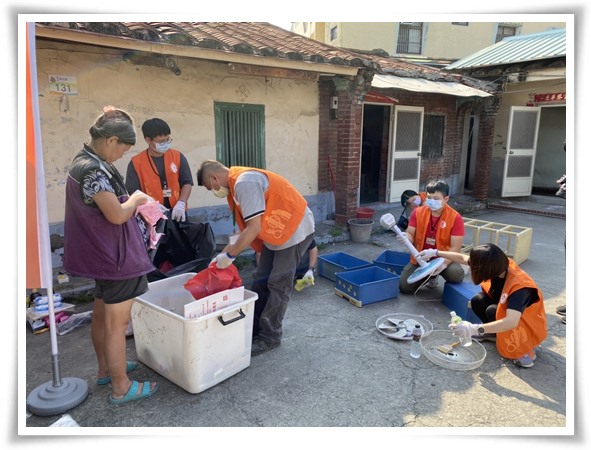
207,167
155,127
487,261
405,196
438,186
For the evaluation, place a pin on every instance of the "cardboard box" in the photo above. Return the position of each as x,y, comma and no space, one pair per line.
195,354
392,261
367,285
456,296
332,263
213,303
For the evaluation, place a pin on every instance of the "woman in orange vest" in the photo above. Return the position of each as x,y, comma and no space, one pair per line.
511,306
410,199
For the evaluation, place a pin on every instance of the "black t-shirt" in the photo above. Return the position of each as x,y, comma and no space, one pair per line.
132,181
518,300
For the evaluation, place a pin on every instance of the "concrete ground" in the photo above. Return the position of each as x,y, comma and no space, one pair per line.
335,369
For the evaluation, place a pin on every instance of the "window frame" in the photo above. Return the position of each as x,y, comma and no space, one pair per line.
404,42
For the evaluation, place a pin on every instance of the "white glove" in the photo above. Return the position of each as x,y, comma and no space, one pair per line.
223,260
178,212
464,329
440,269
427,254
309,276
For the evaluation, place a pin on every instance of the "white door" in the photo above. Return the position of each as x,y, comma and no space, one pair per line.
522,138
405,151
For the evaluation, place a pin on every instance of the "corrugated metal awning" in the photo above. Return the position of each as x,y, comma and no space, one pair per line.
517,49
422,85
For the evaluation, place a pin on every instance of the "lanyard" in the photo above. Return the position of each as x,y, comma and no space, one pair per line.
153,166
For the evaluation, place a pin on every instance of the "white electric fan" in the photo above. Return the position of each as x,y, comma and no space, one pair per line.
426,268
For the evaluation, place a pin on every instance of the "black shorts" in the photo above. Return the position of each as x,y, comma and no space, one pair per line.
122,290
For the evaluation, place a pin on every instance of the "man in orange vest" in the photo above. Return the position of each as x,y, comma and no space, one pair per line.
434,225
274,219
160,171
511,306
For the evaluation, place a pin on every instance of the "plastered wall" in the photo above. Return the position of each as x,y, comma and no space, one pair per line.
186,102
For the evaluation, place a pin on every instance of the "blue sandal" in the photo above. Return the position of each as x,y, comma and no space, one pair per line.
134,393
131,365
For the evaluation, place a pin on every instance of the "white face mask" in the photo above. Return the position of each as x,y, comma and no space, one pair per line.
417,201
162,147
222,192
433,204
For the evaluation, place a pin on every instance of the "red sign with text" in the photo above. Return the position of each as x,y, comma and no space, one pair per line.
549,98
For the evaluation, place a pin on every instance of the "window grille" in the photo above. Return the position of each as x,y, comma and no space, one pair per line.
410,38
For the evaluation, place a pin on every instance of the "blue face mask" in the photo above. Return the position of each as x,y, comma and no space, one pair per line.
162,147
433,204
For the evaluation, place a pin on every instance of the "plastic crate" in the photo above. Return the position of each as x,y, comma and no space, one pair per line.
456,296
332,263
392,261
367,285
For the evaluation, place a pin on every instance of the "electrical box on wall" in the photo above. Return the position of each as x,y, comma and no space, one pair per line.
334,102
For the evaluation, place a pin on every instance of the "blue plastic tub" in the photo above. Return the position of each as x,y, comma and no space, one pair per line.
392,261
456,296
332,263
367,285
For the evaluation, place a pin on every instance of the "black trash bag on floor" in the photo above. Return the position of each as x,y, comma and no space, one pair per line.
185,247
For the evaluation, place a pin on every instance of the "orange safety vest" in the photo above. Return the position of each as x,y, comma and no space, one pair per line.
531,329
150,180
443,233
285,208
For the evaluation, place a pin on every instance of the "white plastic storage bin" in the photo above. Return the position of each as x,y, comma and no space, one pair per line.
195,354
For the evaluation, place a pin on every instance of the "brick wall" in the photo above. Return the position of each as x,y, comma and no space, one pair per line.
341,131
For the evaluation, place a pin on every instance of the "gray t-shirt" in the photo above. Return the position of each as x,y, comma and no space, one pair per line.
250,191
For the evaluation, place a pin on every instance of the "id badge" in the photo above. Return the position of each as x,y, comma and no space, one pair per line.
167,193
430,241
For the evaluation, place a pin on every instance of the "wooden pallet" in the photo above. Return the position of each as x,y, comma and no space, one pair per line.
351,299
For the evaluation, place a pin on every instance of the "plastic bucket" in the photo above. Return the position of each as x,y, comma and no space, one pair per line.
360,229
365,213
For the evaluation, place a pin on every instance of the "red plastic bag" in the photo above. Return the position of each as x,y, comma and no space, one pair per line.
213,280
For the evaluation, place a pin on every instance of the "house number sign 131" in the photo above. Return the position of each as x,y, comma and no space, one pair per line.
60,84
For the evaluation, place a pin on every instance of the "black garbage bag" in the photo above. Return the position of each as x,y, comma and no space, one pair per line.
184,247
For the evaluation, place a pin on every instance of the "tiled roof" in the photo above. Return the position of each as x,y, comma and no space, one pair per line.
250,38
260,39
